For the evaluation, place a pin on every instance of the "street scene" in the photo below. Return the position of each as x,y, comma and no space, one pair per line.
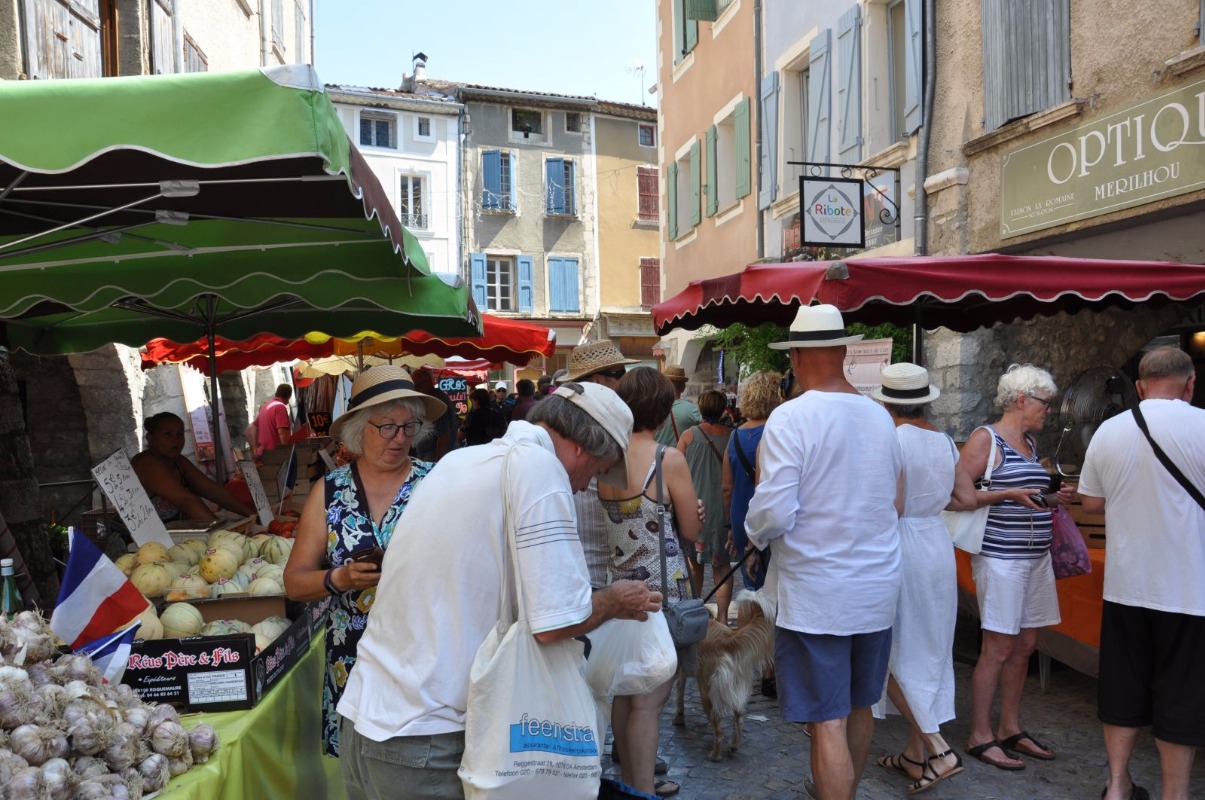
403,400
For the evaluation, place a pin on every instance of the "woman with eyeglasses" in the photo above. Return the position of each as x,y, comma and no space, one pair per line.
1014,579
346,528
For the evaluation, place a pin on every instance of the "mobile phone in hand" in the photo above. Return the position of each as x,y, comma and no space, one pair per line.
372,556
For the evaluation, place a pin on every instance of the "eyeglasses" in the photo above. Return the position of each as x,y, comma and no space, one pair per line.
389,430
1041,400
613,373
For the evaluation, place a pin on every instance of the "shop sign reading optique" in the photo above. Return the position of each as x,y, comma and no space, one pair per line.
1142,153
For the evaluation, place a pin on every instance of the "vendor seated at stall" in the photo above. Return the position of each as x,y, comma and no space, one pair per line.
177,488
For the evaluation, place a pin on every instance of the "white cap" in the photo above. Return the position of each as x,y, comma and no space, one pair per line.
499,385
6,562
608,410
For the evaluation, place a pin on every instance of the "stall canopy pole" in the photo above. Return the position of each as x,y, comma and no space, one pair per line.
219,465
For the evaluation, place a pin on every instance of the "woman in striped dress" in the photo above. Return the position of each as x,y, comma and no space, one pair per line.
1013,576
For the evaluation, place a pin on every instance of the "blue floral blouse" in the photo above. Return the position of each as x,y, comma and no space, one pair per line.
350,529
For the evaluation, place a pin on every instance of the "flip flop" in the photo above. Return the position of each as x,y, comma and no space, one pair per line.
1038,751
897,764
979,750
666,788
926,782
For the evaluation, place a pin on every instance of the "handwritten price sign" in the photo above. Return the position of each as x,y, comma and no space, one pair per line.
258,495
117,480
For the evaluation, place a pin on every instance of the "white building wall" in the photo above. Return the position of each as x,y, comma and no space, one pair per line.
229,33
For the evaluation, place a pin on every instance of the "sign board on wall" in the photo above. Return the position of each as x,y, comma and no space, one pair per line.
120,484
258,496
864,362
831,209
1144,152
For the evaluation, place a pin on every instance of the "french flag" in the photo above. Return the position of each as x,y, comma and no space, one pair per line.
110,654
95,598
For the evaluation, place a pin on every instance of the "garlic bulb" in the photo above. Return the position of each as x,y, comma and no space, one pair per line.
53,698
178,766
202,741
90,767
60,780
91,724
122,751
27,784
10,765
126,696
39,673
169,739
75,667
161,712
154,772
16,695
38,744
137,716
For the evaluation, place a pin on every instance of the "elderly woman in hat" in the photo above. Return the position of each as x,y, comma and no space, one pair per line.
346,527
920,683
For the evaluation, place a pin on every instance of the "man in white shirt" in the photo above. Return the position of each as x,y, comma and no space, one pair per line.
1152,637
402,734
830,467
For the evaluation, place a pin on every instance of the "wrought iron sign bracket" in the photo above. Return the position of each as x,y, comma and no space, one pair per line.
889,214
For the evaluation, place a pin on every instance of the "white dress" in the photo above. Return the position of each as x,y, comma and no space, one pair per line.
922,638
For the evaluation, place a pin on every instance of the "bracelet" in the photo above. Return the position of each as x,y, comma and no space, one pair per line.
328,583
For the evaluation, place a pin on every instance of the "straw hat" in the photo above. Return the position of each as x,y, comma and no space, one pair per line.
378,385
675,374
816,326
607,409
905,384
588,359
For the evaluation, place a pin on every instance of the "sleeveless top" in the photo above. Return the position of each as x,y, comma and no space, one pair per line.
632,531
1015,531
164,508
704,456
742,484
350,528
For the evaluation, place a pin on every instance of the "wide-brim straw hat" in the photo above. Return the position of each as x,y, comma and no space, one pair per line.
816,326
676,374
905,384
593,357
382,384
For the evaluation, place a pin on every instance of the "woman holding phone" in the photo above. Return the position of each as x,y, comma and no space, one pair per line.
346,528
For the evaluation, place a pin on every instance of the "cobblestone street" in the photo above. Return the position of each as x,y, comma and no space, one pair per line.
773,760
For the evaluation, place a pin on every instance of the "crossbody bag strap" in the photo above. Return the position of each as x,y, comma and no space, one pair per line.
740,453
711,444
661,513
1167,462
674,423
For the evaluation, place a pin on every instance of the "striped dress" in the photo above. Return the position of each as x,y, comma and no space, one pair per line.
1015,531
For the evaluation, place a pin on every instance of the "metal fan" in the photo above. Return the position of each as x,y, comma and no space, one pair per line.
1092,397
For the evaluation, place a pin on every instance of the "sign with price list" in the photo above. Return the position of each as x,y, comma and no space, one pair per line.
117,480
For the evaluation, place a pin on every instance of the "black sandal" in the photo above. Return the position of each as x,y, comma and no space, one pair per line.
896,764
1042,752
929,776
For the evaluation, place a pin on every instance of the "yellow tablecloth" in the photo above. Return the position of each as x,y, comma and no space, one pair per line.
271,751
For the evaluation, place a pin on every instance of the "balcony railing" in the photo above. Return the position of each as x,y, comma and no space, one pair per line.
418,221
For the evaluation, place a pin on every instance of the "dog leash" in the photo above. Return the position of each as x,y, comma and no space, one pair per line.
731,572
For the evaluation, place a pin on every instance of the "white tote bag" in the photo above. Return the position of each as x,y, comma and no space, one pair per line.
531,726
966,527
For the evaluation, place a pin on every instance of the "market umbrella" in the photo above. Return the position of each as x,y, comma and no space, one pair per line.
187,205
961,293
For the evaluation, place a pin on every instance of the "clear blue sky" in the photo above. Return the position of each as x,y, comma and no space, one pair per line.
561,46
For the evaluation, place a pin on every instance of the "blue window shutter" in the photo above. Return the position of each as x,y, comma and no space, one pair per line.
525,290
556,286
572,290
671,200
819,83
691,35
696,184
744,158
491,179
477,280
1026,58
849,93
514,181
713,196
563,285
571,187
554,189
914,66
767,191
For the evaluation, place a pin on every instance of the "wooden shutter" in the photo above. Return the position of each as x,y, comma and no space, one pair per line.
819,82
477,280
650,282
572,286
713,162
1026,58
691,34
647,194
564,292
671,201
554,186
491,179
849,91
278,24
162,50
525,281
744,158
696,184
702,10
914,75
767,187
63,39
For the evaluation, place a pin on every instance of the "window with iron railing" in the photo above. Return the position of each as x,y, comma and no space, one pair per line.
410,202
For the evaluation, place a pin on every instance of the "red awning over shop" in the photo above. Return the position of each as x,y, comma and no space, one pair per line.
961,293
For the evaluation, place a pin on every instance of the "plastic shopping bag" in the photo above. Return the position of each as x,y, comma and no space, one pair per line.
630,657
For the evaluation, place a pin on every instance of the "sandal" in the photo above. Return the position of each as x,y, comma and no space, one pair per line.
1038,750
979,751
665,788
929,777
897,764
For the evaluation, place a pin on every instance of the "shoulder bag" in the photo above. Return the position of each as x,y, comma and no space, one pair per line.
688,619
531,727
1167,463
966,527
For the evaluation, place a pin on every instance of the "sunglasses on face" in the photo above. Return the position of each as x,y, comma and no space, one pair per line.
617,373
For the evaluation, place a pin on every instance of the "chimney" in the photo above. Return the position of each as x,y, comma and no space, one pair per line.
420,67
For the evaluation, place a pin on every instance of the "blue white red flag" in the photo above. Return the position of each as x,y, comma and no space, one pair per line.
111,653
95,598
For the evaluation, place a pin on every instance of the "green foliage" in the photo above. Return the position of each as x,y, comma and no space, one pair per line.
747,345
901,338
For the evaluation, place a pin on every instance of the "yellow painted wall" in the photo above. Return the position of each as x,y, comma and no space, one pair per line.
622,242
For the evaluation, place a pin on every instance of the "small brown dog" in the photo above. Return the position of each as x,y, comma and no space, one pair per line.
730,661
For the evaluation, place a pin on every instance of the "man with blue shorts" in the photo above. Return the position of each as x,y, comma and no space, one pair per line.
830,467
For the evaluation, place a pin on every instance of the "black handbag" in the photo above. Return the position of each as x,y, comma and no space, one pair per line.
688,619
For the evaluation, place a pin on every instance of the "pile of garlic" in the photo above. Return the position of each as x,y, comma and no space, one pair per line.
65,734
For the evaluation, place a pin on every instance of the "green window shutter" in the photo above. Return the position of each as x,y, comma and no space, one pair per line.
671,201
702,10
744,157
696,184
713,193
691,35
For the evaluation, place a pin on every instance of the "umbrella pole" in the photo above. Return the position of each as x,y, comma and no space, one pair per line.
219,462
